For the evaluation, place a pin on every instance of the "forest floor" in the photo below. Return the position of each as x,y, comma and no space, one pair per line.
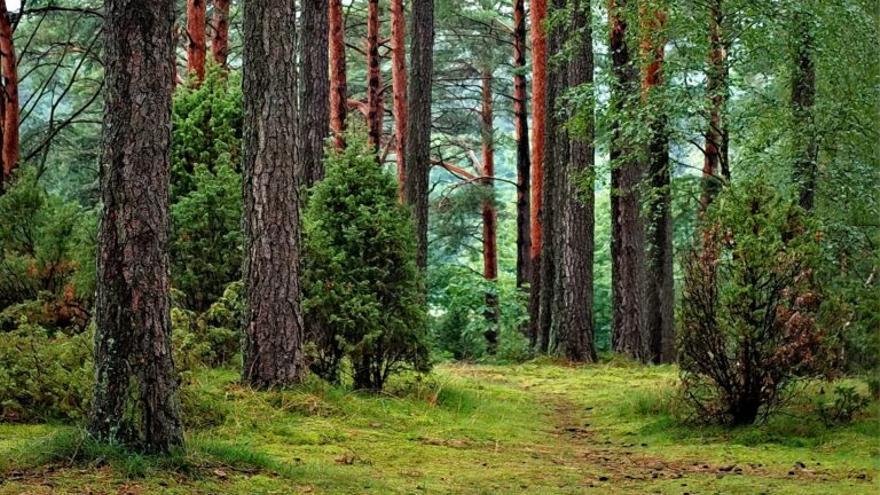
468,429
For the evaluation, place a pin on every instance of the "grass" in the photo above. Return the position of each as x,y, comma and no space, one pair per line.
470,429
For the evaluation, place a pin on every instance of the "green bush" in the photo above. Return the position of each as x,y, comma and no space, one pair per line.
44,376
363,291
845,405
749,305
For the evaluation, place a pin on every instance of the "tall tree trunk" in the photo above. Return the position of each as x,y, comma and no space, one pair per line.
803,98
398,83
575,266
715,161
660,289
314,111
374,77
196,39
274,322
9,73
521,129
627,234
539,110
418,133
338,77
135,399
490,216
220,36
556,155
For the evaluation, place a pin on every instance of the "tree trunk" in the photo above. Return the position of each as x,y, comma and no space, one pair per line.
803,97
314,111
9,73
627,234
398,82
135,399
374,77
521,129
338,77
539,109
490,216
660,290
195,33
575,266
715,161
274,321
418,133
220,37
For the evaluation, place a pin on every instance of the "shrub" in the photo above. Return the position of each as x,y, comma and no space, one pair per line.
749,303
44,376
363,291
847,403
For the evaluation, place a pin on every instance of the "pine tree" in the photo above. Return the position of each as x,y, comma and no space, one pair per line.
196,50
9,111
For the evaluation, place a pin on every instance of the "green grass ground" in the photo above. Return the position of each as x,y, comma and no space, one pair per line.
468,429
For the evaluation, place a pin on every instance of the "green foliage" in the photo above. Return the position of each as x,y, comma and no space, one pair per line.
44,376
749,305
363,291
211,338
206,247
847,403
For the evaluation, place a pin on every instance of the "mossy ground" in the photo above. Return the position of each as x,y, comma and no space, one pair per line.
532,428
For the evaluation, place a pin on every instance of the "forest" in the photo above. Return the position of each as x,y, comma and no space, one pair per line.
439,246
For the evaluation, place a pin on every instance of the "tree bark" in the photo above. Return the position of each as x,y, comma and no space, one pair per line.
627,234
539,109
375,112
314,111
715,161
490,216
418,133
135,399
660,289
195,32
220,36
521,130
338,77
575,266
273,321
398,83
9,73
803,98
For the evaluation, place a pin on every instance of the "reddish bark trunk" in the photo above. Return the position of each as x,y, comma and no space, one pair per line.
521,129
490,217
9,72
715,160
539,107
374,77
195,32
338,77
398,83
220,37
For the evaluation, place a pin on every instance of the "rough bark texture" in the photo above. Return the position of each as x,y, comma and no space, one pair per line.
627,234
196,50
398,83
314,111
803,97
715,162
490,216
418,133
273,321
220,35
338,77
538,14
375,111
556,155
521,130
576,215
10,111
135,400
660,289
